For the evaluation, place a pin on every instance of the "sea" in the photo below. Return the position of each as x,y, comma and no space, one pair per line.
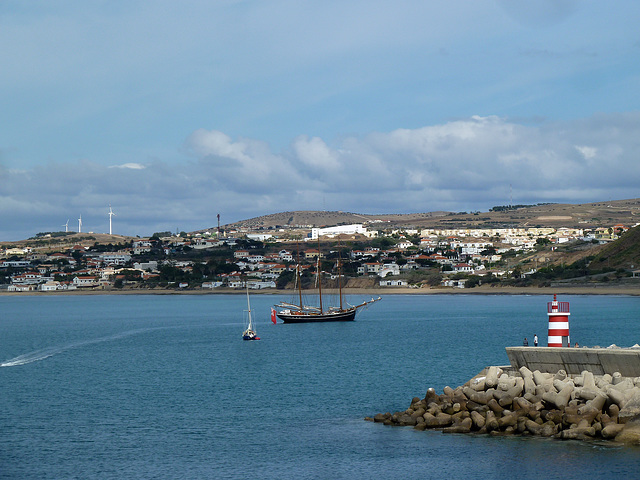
164,387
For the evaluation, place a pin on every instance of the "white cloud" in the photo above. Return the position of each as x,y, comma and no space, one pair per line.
587,152
131,166
462,165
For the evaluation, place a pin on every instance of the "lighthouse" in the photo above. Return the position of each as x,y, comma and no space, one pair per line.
558,323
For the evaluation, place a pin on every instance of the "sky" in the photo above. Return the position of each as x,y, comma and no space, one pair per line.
174,112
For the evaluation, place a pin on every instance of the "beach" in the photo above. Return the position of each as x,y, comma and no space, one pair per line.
595,289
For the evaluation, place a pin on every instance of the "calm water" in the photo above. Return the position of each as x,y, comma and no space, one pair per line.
164,387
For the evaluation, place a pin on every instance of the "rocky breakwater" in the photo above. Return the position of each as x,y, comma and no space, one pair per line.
583,407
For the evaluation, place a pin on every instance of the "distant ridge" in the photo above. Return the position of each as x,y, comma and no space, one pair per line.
327,218
583,215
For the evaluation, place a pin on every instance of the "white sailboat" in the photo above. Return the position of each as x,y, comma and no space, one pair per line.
249,333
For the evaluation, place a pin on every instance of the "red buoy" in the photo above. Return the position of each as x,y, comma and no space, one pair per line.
558,323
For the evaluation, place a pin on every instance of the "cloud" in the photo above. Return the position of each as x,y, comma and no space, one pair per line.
463,165
587,152
132,166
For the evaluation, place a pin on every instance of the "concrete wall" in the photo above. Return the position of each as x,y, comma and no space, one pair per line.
575,360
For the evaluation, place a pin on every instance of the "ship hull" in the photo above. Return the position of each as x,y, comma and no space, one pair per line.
291,317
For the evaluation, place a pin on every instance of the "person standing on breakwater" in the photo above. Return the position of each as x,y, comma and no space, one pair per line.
525,342
535,340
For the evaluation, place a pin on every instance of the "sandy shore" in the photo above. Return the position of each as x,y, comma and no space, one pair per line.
600,289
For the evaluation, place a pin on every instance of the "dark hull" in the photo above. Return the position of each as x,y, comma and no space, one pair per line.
344,316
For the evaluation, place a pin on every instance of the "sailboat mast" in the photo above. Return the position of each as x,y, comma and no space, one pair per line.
249,309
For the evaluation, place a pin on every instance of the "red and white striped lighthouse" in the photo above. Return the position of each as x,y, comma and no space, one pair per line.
558,323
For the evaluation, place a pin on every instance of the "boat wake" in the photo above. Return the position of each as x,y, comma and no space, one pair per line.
44,353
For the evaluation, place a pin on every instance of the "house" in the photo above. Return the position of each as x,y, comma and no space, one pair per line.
285,256
396,282
311,254
259,285
85,281
463,268
49,286
447,282
389,269
22,288
404,244
114,258
370,267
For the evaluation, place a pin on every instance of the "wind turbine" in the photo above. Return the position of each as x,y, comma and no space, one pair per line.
66,226
80,224
111,214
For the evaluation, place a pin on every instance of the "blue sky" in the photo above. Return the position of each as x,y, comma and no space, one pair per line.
173,112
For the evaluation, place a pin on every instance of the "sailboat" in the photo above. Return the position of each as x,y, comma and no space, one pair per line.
301,313
249,333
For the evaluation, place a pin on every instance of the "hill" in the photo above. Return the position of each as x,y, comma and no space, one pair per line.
623,253
67,240
585,215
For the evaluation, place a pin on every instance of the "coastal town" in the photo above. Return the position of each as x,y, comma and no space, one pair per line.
371,255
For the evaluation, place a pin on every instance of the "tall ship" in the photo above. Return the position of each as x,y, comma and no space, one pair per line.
299,311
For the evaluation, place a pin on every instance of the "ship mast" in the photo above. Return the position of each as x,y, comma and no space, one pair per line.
340,275
298,276
319,277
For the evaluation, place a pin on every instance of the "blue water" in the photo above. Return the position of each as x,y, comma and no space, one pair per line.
113,387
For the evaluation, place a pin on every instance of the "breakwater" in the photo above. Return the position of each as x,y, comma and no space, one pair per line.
515,400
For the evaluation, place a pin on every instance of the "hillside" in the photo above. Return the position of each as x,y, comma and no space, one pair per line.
68,240
585,215
623,253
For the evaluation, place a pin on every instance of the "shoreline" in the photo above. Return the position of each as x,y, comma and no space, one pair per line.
627,290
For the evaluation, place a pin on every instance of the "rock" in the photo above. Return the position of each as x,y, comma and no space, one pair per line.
563,396
506,401
491,380
510,420
443,420
495,406
533,427
560,375
611,430
405,420
585,393
577,433
477,384
431,395
381,417
614,411
549,399
617,378
478,420
623,385
631,408
554,416
589,380
419,412
463,427
630,432
548,429
542,379
616,397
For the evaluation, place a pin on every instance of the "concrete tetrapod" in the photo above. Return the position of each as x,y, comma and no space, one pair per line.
523,402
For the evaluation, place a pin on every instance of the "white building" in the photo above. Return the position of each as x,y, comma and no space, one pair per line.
339,230
115,258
